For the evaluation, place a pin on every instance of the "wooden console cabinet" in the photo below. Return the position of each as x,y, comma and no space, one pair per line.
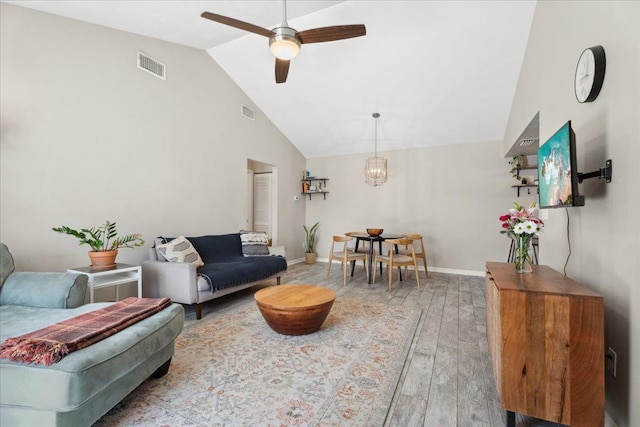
546,339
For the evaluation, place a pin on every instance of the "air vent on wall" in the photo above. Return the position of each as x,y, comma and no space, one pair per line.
151,66
529,141
247,112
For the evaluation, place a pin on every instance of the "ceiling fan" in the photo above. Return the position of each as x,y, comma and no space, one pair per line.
285,41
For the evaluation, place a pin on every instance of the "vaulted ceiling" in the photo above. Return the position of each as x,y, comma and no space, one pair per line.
438,72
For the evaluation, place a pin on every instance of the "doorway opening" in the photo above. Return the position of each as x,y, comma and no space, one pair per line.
262,206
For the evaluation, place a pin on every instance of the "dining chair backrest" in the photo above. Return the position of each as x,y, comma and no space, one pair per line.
341,239
421,253
406,244
417,238
344,255
406,257
364,248
343,251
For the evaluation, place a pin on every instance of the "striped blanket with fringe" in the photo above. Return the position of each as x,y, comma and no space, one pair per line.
48,345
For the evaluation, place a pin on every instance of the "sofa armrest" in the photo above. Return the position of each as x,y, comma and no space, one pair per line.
175,280
46,290
278,250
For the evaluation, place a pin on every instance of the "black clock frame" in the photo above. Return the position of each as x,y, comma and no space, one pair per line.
600,60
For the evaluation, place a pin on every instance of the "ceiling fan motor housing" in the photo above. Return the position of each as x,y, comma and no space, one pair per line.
284,43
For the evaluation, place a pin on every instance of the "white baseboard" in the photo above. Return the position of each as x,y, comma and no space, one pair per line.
456,271
608,421
434,269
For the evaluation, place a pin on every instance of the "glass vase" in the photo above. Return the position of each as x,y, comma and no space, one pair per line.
523,253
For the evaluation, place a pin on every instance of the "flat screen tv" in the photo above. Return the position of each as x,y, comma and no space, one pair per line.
558,171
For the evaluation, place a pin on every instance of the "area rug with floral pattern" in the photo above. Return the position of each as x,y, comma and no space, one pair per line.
231,369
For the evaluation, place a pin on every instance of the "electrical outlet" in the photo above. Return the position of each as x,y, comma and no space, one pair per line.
612,361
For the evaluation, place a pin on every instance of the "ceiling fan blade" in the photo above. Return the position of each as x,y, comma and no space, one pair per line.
329,34
282,69
237,24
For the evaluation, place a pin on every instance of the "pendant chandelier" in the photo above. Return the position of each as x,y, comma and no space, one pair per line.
375,168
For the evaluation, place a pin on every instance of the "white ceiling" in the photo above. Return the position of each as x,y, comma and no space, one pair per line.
438,72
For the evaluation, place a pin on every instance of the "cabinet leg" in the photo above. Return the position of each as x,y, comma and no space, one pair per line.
511,419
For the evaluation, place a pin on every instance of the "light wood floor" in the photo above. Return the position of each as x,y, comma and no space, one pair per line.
447,380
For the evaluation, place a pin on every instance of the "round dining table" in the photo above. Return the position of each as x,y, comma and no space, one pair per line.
372,239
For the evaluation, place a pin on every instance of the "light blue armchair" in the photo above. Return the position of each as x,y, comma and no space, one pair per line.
86,384
45,290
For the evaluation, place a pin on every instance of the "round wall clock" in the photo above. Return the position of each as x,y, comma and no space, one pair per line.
590,74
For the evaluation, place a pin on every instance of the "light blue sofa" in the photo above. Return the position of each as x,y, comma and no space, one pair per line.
85,384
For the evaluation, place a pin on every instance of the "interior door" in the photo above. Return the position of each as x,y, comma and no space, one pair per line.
248,222
262,218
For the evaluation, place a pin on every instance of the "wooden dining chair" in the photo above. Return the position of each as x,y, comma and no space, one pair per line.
420,252
364,249
341,252
406,258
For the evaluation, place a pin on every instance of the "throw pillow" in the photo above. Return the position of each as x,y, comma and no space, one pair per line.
254,243
180,250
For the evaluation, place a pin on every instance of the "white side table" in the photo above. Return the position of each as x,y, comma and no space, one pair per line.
122,273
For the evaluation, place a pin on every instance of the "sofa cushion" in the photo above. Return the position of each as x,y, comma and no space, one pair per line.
242,270
180,250
202,283
221,248
254,243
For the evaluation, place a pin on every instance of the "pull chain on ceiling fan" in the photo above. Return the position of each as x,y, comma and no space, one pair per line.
285,41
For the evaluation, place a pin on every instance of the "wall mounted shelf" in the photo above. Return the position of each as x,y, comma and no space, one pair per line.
308,182
526,145
527,186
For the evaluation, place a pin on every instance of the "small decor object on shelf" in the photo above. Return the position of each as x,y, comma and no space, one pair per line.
518,162
310,242
103,242
522,225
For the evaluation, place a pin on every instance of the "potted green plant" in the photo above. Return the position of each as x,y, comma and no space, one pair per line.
309,243
517,163
103,241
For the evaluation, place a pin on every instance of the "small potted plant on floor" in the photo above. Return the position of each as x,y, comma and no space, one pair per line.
103,241
309,243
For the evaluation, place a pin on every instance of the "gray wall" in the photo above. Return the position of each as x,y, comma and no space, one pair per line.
452,195
86,136
604,233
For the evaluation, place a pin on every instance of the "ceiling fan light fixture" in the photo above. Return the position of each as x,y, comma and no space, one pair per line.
284,44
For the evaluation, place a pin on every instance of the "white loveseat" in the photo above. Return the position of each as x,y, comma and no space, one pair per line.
226,270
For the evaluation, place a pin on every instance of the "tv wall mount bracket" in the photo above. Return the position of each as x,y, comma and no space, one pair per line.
603,173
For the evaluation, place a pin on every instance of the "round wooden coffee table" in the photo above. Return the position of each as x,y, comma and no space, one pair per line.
295,309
